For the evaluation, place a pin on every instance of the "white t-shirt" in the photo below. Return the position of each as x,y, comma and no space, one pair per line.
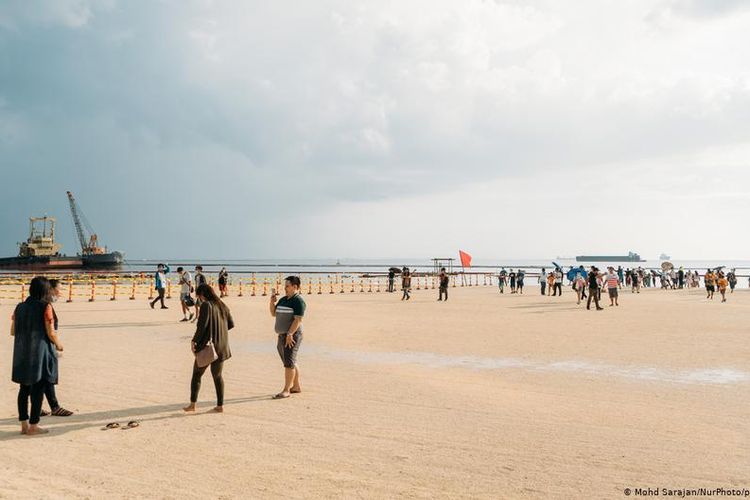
187,280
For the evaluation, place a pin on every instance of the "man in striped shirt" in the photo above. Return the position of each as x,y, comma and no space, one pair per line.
613,283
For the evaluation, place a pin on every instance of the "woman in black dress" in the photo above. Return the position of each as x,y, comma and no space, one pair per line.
35,347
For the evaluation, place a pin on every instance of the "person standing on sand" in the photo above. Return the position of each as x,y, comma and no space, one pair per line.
542,280
186,289
49,391
223,281
502,279
519,280
391,278
200,279
593,280
443,284
550,282
558,283
722,282
160,284
35,347
709,280
579,285
732,279
289,311
620,275
406,283
613,283
214,323
512,277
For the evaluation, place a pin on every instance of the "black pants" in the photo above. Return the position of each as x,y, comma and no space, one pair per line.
390,284
195,384
593,294
159,298
543,286
443,290
36,392
557,289
406,294
49,392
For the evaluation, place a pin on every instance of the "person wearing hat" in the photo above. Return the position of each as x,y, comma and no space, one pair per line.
613,283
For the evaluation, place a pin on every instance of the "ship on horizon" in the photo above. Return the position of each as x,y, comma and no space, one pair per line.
630,257
41,252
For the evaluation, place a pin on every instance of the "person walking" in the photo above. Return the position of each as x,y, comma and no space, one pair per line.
443,284
223,281
186,290
542,281
732,279
406,283
512,278
613,284
579,285
558,283
35,348
289,312
160,284
49,390
200,279
722,282
593,288
709,278
212,334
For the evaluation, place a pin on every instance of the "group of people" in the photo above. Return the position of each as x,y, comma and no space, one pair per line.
513,278
36,349
188,285
37,346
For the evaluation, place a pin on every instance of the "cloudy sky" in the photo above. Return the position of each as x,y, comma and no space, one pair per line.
343,128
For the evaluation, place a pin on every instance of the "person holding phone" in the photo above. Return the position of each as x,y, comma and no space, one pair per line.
288,311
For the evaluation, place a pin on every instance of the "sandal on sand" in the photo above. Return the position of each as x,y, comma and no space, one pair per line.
111,425
131,425
281,395
44,413
61,412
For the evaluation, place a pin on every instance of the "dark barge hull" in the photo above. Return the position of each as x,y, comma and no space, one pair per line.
52,263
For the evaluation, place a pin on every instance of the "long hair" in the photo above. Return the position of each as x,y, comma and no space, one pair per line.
39,288
205,291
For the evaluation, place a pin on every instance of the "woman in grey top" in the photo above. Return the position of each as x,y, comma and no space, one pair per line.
214,323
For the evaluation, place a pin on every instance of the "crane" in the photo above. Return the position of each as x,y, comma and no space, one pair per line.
90,247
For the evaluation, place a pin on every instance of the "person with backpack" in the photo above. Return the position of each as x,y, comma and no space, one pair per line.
186,290
223,282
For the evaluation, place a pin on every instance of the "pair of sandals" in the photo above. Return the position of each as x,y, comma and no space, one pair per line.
57,412
114,425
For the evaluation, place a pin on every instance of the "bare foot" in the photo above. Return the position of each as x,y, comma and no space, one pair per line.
218,409
295,390
190,407
35,429
24,427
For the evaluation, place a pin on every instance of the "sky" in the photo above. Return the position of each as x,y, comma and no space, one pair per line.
376,129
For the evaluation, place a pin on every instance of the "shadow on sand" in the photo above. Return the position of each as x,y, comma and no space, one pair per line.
101,418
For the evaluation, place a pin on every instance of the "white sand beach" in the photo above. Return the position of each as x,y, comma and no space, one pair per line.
485,396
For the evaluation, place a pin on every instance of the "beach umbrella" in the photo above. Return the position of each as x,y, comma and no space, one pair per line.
572,273
719,268
667,266
557,266
394,270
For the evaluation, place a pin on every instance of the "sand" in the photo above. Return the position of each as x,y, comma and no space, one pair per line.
485,396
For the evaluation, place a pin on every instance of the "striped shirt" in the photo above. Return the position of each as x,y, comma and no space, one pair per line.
612,280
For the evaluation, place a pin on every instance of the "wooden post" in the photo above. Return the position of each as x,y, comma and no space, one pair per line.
70,289
132,291
114,290
93,291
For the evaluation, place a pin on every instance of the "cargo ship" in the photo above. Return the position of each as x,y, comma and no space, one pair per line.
630,257
40,252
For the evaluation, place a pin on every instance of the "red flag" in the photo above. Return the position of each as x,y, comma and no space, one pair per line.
465,258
